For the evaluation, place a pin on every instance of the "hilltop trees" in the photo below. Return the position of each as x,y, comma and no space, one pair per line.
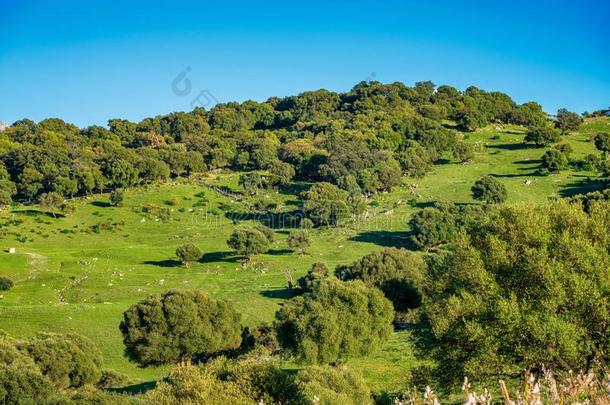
337,320
530,287
178,325
398,273
489,189
568,121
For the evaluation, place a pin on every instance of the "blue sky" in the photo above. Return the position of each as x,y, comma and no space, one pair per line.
88,61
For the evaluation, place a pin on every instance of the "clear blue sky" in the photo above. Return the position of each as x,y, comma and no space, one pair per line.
87,61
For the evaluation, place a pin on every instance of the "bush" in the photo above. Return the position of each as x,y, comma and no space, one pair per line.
23,386
398,273
299,240
336,321
69,361
6,284
188,253
178,325
313,278
117,197
112,379
490,190
333,385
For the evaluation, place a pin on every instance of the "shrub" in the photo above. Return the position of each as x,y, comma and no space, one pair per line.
6,284
117,197
333,385
299,240
69,361
542,136
23,386
315,275
112,379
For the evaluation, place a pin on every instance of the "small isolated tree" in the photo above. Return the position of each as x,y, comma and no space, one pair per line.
178,325
116,198
542,135
5,284
50,201
188,253
337,320
554,160
316,275
299,240
568,121
69,361
248,242
398,273
490,190
602,142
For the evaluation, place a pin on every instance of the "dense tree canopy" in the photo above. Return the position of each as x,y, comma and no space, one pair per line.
362,140
529,287
489,189
178,325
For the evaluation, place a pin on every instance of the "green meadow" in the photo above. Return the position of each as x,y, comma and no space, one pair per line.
80,272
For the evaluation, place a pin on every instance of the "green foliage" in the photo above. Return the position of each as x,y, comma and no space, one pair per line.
527,288
602,142
23,386
50,201
325,204
336,321
7,187
196,385
489,189
117,197
398,273
178,325
333,385
248,241
67,360
299,240
542,135
5,283
568,121
463,151
252,182
188,253
554,160
314,277
112,379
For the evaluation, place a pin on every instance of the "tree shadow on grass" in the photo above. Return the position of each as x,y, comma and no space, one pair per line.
509,146
33,212
386,239
273,220
513,175
101,204
163,263
219,257
278,252
135,389
281,293
581,186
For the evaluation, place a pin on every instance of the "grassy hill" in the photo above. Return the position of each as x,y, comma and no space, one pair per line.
80,272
